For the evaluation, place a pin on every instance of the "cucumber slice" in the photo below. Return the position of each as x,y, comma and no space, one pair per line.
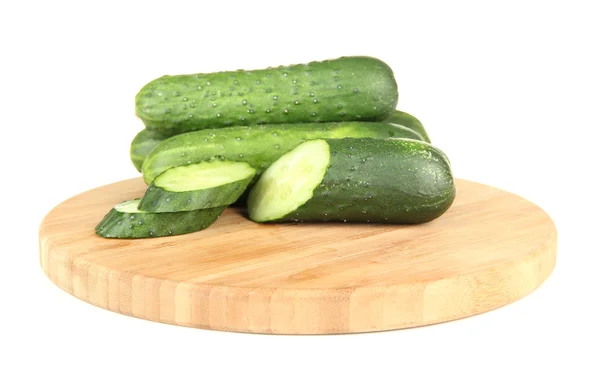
126,221
367,180
198,186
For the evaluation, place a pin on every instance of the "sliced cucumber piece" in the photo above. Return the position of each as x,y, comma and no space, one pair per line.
126,221
367,180
198,186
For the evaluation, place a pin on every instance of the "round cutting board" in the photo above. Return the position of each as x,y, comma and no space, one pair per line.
489,249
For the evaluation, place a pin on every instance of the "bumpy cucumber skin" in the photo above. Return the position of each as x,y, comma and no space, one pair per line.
120,225
345,89
158,200
408,120
380,181
259,146
141,146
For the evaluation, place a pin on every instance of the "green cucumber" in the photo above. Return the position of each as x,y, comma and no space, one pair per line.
197,186
355,180
126,221
357,88
142,144
407,120
259,146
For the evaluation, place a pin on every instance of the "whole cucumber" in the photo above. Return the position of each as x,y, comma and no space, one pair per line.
358,88
142,144
408,120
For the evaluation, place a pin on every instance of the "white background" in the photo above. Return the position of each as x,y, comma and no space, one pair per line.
509,90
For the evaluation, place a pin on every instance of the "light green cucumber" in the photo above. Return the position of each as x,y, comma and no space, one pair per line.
197,186
358,88
407,120
355,180
126,221
259,146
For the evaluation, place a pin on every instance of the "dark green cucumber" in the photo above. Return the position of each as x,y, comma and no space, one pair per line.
355,180
141,146
197,186
259,146
344,89
126,221
407,120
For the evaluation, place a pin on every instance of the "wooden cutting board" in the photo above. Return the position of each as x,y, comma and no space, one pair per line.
490,249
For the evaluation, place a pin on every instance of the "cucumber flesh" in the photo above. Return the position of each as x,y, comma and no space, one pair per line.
130,207
289,182
397,181
198,186
127,221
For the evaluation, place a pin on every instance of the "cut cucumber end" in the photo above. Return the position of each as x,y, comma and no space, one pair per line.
289,182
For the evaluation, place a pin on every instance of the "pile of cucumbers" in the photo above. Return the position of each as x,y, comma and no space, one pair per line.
316,142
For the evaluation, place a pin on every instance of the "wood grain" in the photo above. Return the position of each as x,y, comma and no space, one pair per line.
490,249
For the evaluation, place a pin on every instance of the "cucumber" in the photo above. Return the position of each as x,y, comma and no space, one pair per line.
259,146
345,89
126,221
197,186
142,144
355,180
407,120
